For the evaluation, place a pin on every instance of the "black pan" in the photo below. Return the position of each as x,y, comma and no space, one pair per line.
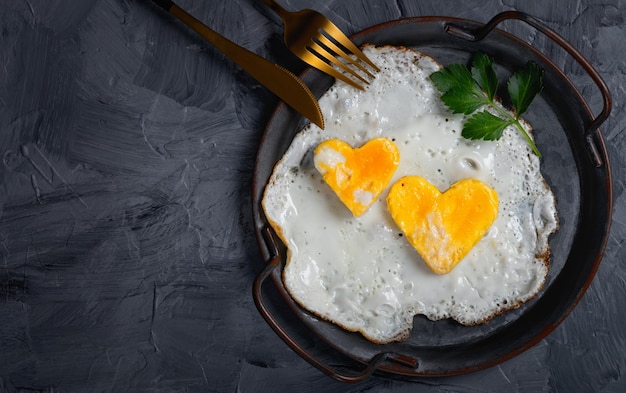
575,165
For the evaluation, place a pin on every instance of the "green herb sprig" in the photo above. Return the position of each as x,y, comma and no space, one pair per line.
467,90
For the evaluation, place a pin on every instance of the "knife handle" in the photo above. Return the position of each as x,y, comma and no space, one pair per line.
241,56
275,78
165,4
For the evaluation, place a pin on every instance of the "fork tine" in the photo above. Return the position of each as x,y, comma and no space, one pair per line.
314,59
325,41
323,53
338,35
318,42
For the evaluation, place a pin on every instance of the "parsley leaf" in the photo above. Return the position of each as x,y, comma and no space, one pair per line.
462,100
460,92
455,75
484,74
467,91
524,85
485,125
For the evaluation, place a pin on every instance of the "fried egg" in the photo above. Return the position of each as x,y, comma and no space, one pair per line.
361,271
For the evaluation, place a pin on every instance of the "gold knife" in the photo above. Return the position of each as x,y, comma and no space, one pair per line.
274,77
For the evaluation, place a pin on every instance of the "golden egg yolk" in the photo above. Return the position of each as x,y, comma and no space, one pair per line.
357,175
442,227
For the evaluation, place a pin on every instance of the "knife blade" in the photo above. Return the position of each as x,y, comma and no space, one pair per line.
275,78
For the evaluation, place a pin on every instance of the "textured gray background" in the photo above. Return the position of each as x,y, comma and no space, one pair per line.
127,253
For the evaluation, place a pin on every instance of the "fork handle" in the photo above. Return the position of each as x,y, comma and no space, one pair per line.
165,4
277,8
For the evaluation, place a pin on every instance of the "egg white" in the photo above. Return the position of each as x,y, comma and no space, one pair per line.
361,273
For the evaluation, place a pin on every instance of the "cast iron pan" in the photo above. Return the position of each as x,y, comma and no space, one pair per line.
575,164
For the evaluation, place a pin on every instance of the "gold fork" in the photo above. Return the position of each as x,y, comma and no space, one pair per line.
317,41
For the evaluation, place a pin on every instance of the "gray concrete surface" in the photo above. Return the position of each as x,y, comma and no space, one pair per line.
127,252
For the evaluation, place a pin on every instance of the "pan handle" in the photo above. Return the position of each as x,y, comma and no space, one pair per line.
273,270
479,34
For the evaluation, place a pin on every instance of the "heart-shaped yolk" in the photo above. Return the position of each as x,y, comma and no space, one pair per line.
358,176
443,227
